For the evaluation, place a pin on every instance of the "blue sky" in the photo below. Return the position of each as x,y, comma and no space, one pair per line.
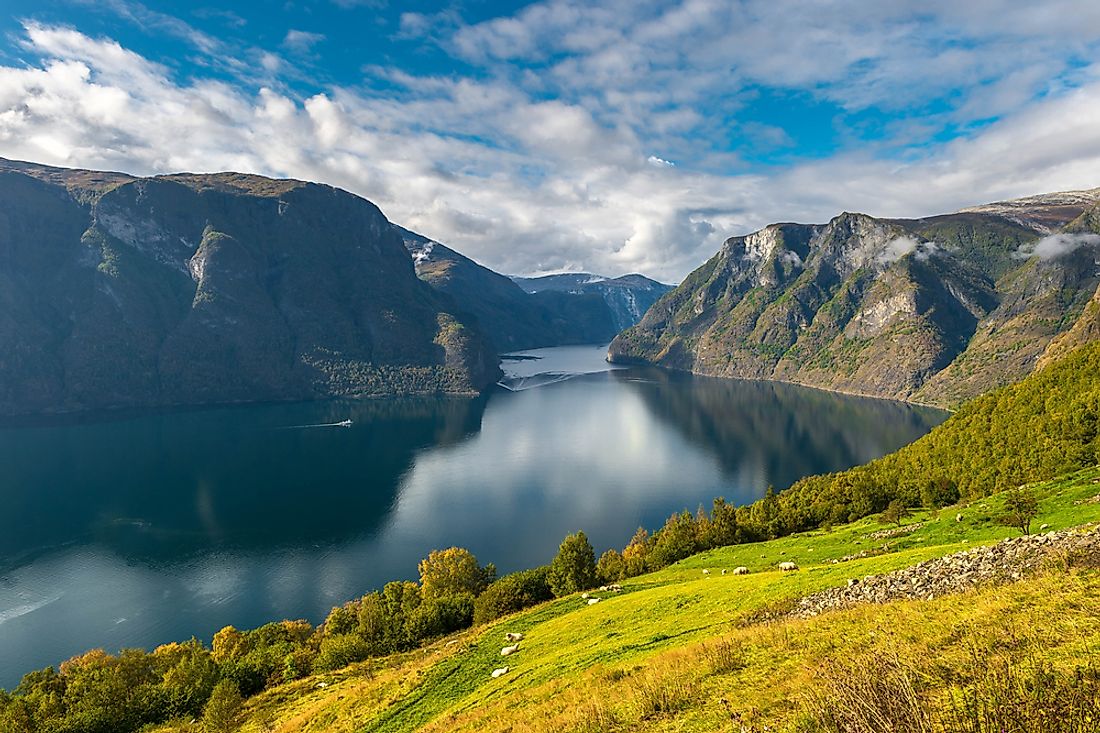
603,135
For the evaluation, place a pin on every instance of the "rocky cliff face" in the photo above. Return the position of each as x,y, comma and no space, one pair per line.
526,313
935,310
188,289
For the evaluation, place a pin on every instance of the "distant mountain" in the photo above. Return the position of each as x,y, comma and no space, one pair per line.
935,310
117,291
628,296
517,315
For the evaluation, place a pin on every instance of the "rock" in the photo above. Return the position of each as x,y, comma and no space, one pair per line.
1003,562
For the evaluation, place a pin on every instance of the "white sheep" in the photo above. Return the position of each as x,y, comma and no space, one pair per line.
723,571
509,650
593,601
499,672
615,588
513,636
959,517
584,596
740,570
706,572
787,566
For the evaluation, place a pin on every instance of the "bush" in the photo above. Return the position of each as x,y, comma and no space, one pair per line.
339,651
938,493
440,616
513,593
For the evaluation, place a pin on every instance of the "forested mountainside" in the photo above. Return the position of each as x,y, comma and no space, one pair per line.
118,291
935,310
526,313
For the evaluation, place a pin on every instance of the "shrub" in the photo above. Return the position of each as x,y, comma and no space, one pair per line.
513,593
440,616
340,651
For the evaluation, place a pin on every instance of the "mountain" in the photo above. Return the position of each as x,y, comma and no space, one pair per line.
119,291
934,310
628,297
517,315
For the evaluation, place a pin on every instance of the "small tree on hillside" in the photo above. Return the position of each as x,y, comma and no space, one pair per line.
1021,507
574,567
223,709
451,572
895,513
611,567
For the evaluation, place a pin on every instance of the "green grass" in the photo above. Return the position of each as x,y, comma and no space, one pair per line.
632,648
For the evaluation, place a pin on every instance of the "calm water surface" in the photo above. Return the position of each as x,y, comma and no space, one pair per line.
135,530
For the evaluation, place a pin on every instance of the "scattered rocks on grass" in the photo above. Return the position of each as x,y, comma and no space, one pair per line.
1003,562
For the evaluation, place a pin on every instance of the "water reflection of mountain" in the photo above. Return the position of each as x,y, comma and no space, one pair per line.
781,431
158,484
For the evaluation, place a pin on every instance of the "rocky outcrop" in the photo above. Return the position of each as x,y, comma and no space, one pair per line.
933,310
118,291
1002,562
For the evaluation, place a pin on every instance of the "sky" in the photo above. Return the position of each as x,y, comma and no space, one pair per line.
606,136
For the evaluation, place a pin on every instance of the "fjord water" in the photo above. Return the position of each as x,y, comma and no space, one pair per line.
134,530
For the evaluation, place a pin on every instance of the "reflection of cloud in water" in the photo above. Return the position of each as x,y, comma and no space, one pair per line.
591,461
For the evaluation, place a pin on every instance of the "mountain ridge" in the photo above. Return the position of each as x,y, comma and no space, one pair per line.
934,310
122,291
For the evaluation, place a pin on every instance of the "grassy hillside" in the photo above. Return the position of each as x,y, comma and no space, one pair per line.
680,650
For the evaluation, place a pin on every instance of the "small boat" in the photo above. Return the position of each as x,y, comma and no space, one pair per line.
344,424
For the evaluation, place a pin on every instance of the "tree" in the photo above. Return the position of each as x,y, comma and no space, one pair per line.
723,525
675,541
223,710
574,567
1021,507
940,492
611,567
636,553
895,512
452,572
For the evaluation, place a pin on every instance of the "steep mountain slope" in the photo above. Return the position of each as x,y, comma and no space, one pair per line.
187,289
516,315
628,296
935,310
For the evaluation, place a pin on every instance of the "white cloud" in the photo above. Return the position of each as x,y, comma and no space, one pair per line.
901,246
496,167
1057,245
301,41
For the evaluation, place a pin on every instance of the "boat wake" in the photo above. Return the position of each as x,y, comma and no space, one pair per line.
341,424
519,384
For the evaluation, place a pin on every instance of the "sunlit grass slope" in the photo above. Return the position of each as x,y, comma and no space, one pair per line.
683,650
